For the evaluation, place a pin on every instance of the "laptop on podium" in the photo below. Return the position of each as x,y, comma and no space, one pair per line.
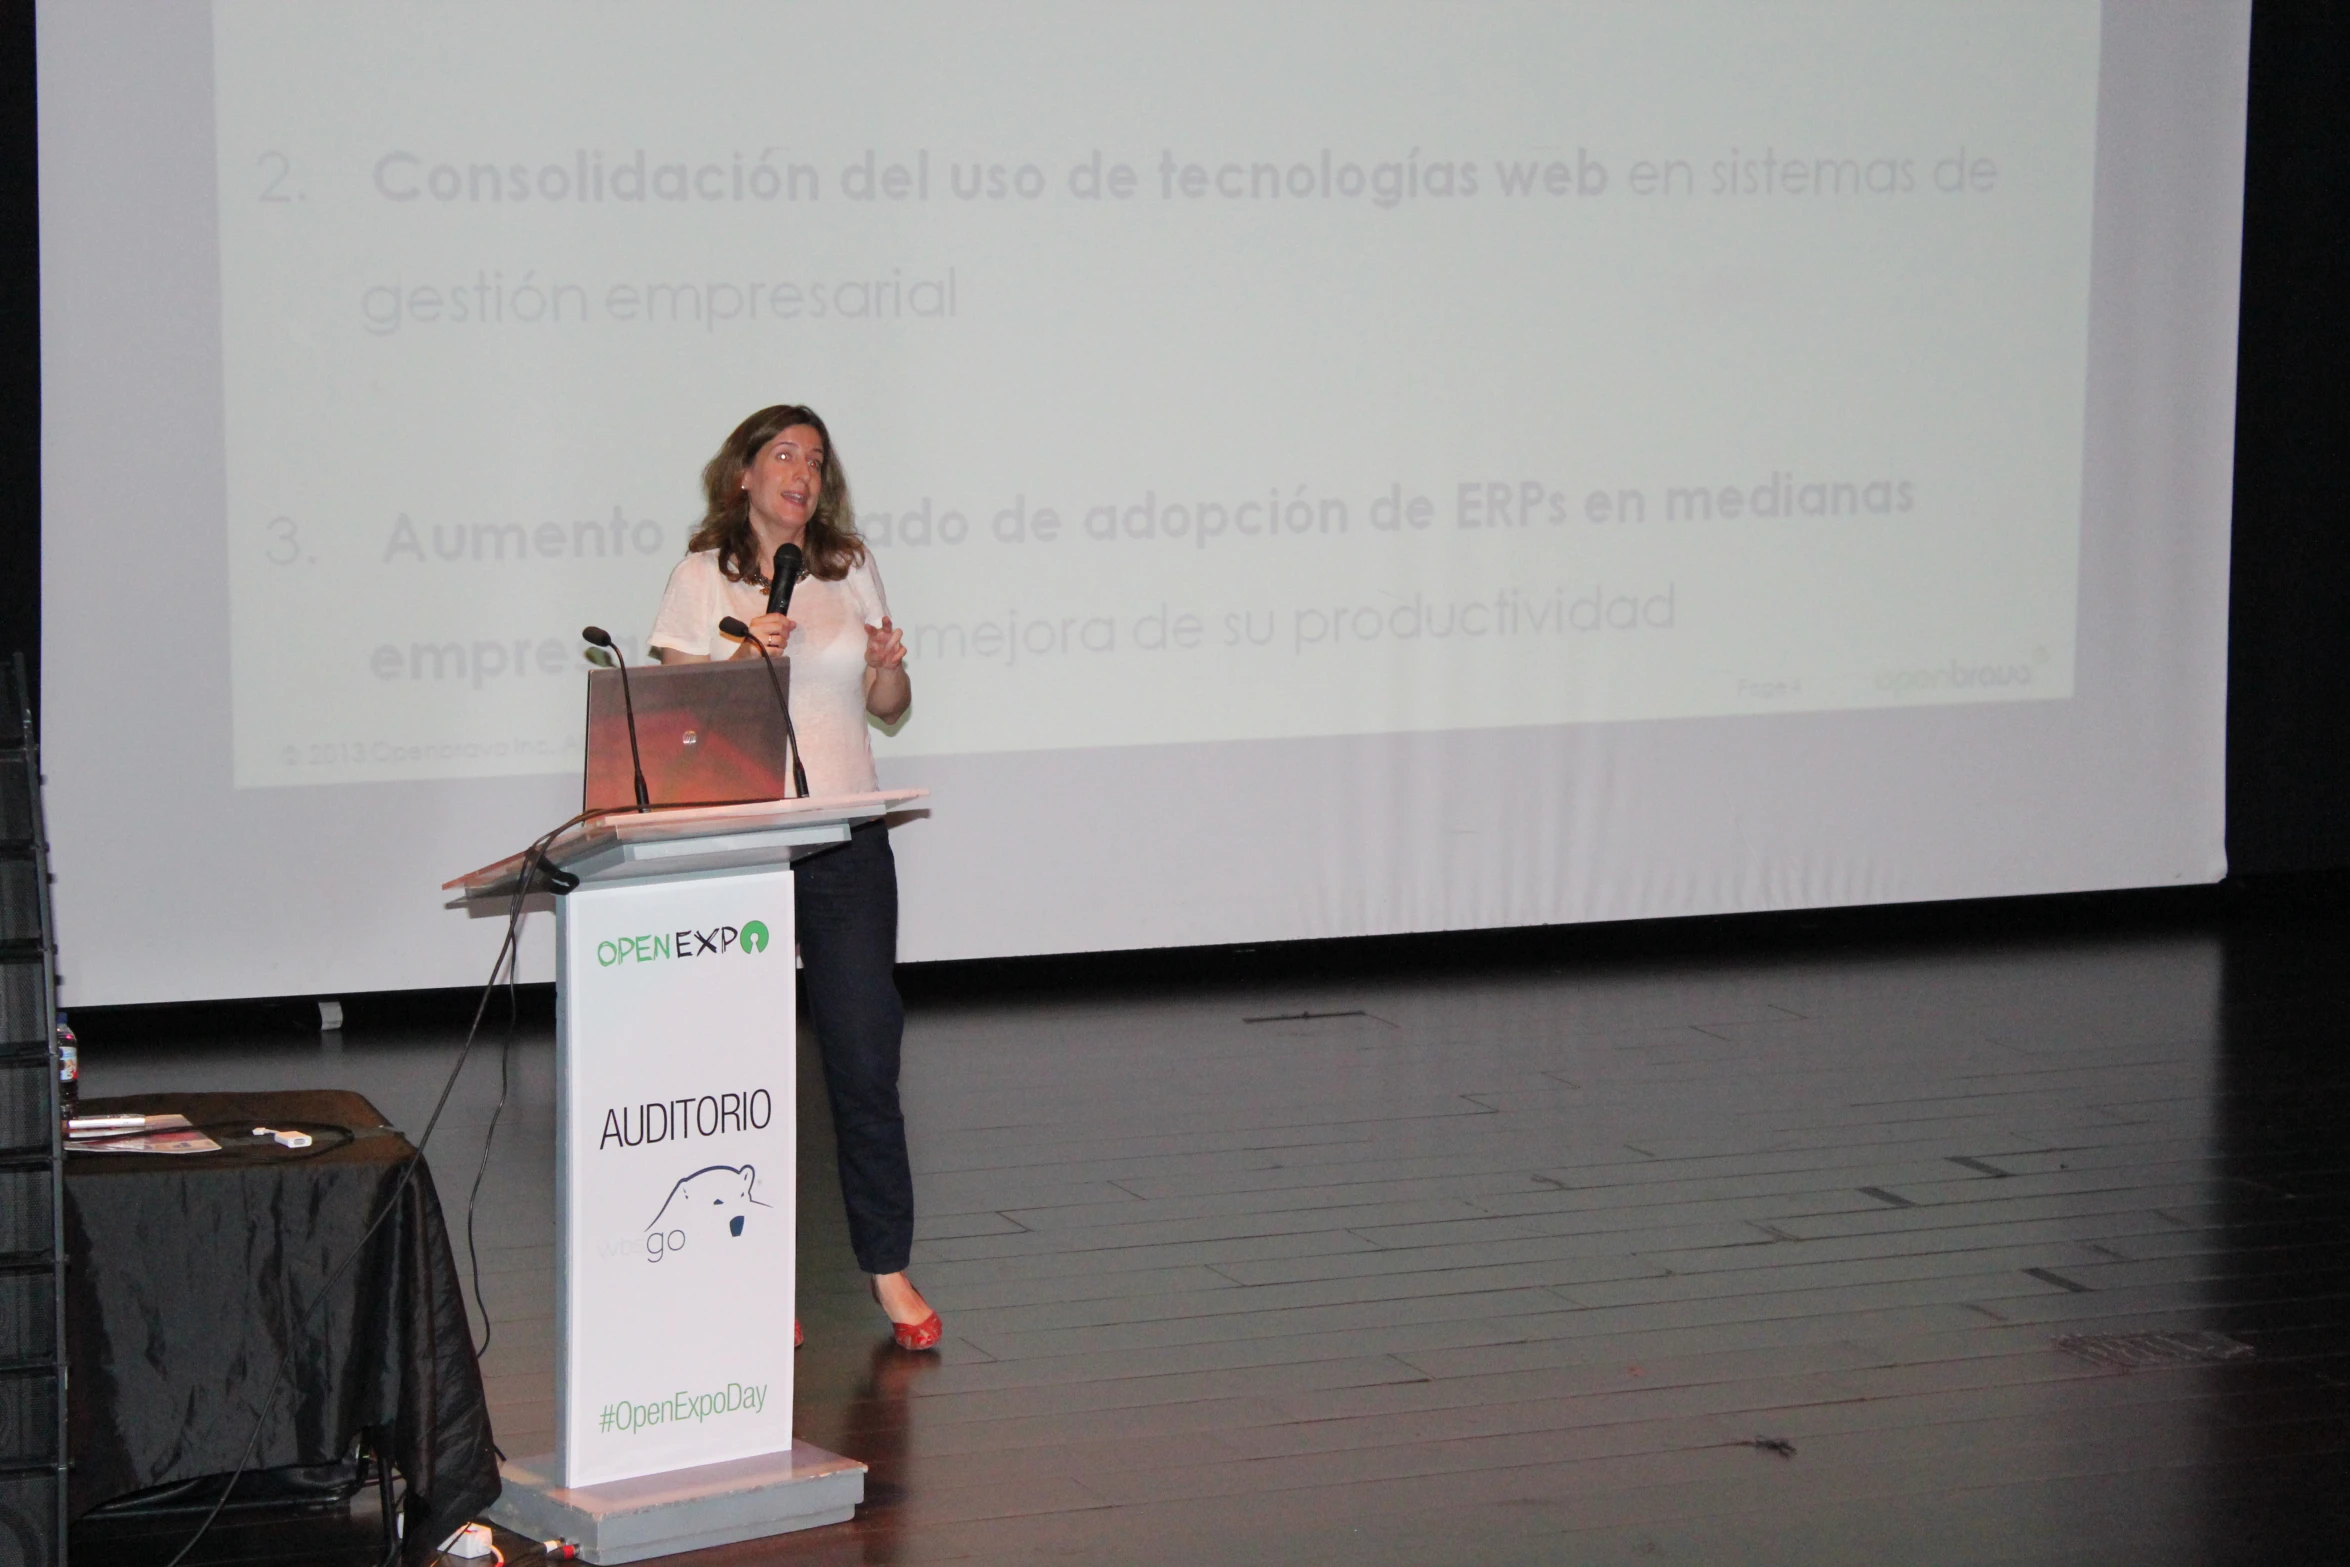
710,734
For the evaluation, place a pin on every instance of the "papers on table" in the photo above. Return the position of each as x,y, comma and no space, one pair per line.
136,1134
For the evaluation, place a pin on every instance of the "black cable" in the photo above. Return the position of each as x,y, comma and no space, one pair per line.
533,858
488,1138
324,1140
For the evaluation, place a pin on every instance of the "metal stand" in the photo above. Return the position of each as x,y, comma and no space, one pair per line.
32,1161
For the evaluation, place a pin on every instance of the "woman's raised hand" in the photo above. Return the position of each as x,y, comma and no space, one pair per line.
885,646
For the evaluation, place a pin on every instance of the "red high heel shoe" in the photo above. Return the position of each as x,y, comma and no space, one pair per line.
919,1335
910,1335
797,1336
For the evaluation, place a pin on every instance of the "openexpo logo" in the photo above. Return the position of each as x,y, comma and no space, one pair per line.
750,936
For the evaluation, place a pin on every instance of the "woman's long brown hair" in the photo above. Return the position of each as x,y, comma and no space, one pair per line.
831,546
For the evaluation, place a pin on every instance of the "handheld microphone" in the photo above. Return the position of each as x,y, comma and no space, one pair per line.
603,639
781,580
791,740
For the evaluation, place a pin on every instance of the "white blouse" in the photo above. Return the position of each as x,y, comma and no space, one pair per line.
826,655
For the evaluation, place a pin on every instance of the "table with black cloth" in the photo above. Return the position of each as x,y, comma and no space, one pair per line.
188,1275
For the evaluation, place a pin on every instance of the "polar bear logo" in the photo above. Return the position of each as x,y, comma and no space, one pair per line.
712,1202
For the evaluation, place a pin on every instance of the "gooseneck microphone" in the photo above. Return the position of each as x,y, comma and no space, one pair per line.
603,639
781,580
791,740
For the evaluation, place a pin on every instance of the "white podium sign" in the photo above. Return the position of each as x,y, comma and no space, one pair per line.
678,1141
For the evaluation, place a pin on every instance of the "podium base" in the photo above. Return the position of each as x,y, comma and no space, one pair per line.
681,1509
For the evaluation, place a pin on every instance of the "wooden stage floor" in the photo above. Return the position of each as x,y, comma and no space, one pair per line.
1825,1249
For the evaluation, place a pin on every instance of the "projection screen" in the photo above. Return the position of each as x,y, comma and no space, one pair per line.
1340,468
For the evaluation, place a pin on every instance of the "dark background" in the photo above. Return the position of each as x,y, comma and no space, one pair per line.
2289,600
2289,633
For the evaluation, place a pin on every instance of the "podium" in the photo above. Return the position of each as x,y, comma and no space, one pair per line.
676,1159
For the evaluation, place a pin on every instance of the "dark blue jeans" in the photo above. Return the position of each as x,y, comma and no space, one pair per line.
845,901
